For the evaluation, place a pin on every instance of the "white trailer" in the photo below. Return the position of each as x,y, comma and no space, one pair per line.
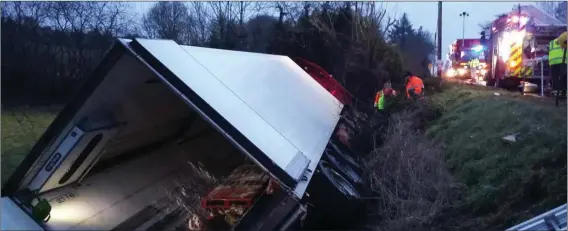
151,107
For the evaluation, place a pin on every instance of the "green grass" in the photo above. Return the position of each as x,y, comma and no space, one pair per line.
20,130
505,183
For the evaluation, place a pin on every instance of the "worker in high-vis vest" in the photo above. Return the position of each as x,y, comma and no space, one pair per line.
381,100
557,62
414,86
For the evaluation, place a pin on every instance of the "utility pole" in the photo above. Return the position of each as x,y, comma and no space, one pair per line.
519,15
463,14
439,34
434,67
439,54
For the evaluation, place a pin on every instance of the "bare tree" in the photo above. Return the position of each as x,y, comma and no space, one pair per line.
80,19
52,45
228,28
485,25
30,14
169,20
555,9
260,28
200,28
19,11
368,24
547,6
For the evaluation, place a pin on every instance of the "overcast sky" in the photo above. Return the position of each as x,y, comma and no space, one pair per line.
425,14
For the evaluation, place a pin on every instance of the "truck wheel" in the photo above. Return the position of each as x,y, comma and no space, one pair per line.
345,154
347,123
352,174
490,82
336,201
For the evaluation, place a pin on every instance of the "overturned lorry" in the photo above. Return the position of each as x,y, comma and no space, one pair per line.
164,136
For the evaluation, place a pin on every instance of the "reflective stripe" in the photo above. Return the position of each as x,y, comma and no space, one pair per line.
515,55
377,96
555,53
381,104
523,71
418,86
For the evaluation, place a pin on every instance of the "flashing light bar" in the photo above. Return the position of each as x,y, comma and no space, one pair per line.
477,48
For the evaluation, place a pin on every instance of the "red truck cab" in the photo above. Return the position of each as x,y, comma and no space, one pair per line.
325,80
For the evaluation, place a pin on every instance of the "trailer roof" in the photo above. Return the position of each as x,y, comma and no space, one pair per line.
269,99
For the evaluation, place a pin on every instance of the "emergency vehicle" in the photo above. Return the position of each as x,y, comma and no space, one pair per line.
518,47
466,58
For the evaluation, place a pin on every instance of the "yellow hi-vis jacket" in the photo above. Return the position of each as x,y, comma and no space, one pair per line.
555,53
380,97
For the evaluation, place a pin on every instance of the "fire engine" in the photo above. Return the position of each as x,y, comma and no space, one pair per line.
466,58
518,47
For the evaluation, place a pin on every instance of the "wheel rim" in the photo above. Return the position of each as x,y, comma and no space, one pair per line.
340,182
345,156
347,169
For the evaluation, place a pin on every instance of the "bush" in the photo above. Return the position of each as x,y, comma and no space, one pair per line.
408,174
434,85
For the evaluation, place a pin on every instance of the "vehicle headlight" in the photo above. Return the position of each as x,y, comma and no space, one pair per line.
451,73
461,71
512,64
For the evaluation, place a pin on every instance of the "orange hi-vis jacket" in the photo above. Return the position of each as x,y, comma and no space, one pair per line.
416,84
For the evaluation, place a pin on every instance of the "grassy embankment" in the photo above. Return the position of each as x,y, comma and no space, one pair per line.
460,175
506,182
20,129
444,164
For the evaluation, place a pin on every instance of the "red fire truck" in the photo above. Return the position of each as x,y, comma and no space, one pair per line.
466,55
518,47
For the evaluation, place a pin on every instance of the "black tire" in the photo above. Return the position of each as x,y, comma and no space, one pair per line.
350,173
348,123
345,154
490,82
336,202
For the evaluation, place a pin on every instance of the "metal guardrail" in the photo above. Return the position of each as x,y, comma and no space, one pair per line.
552,220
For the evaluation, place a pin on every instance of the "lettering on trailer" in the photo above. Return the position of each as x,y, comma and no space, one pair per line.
59,156
65,197
52,162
